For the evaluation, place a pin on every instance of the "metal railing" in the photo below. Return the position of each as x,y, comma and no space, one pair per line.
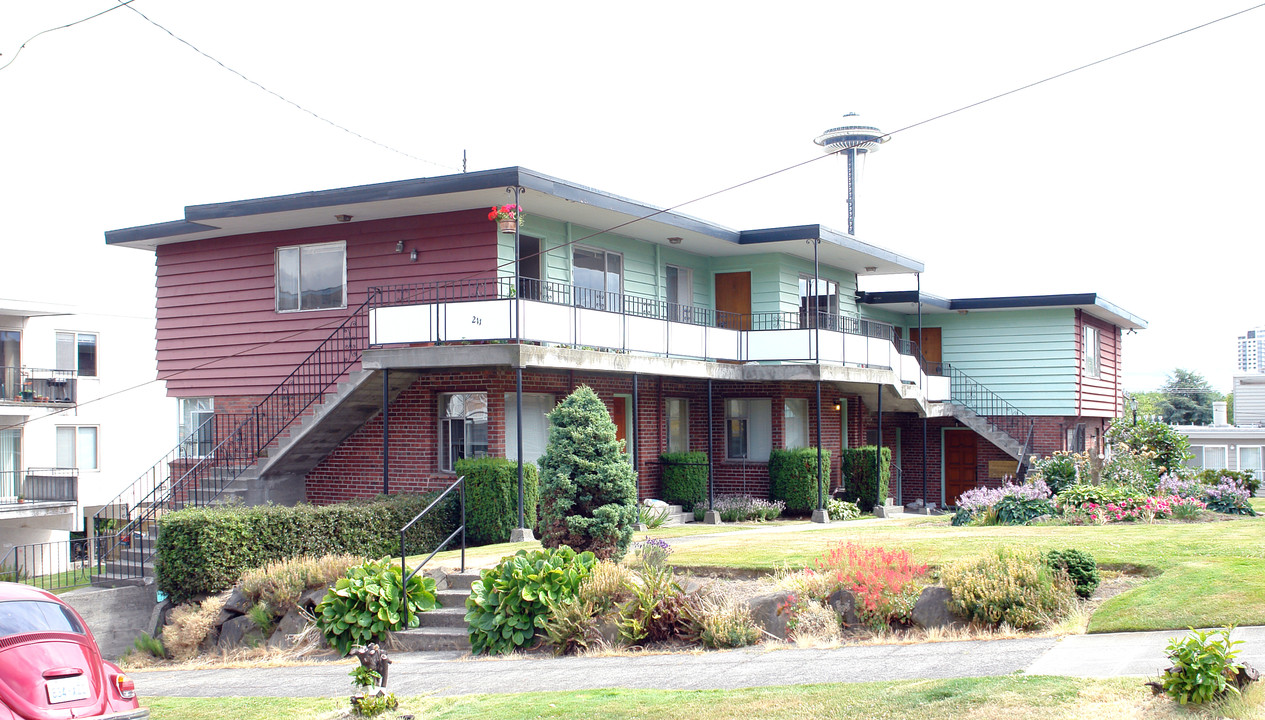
191,476
1000,413
58,565
37,385
39,485
405,575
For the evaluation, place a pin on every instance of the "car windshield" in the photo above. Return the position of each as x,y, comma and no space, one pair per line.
27,616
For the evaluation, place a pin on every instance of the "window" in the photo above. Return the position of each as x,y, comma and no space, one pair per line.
748,430
77,353
795,433
1196,459
536,409
18,617
77,447
463,427
10,462
678,411
598,277
312,277
1090,352
843,422
197,432
818,302
1214,457
680,293
1250,460
10,362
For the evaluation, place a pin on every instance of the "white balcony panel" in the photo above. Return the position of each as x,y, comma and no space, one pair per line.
937,389
404,324
479,320
647,334
687,340
596,328
723,344
855,349
780,345
544,322
831,346
909,369
881,353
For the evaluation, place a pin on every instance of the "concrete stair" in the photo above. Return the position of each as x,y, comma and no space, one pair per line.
1003,440
677,516
445,627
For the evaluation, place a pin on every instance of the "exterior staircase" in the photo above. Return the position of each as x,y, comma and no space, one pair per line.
992,417
445,627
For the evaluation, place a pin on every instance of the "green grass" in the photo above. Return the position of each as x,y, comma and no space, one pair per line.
1015,696
57,583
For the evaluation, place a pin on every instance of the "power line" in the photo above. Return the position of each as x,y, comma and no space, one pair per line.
281,97
63,27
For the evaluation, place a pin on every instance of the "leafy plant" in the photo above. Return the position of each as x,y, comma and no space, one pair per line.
883,581
684,478
492,498
510,602
842,509
1016,588
1014,510
1009,504
364,677
1244,478
1169,447
569,625
1079,494
149,645
725,623
861,484
793,477
1203,666
373,705
653,553
369,601
587,488
658,610
1081,569
1057,471
653,517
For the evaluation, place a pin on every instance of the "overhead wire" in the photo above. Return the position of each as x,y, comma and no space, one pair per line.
63,27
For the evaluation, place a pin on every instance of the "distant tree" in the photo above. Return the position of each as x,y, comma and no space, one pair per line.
1148,404
1229,408
1187,399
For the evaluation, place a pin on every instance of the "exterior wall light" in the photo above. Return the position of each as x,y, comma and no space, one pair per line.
343,218
399,246
412,256
674,240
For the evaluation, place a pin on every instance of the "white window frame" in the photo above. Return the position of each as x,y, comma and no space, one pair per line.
684,292
1091,351
75,449
75,339
1225,455
469,420
754,417
683,405
535,405
791,416
341,244
602,304
1260,459
809,299
192,413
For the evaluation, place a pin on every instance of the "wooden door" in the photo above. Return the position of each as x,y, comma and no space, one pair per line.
959,463
733,300
619,413
928,342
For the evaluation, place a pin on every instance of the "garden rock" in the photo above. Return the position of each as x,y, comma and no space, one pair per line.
292,624
764,611
241,631
309,600
237,602
932,610
844,603
606,630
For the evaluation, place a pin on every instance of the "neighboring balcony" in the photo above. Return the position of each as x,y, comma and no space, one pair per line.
37,386
561,314
35,489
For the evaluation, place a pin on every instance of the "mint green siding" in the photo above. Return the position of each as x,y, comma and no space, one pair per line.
1026,356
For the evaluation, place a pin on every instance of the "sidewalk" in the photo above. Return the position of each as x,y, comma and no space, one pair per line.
1106,655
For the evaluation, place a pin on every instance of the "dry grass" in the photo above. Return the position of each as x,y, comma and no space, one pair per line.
188,627
279,585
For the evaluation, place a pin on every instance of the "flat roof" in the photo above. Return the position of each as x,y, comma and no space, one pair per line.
906,301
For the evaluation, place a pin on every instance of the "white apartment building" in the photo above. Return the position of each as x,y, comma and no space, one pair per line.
1252,351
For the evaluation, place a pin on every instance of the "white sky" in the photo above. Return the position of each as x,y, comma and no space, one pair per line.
1140,179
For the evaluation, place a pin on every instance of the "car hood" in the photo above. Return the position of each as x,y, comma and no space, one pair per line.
24,661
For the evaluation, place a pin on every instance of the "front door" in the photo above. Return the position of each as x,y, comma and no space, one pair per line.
733,300
528,267
929,343
959,463
619,413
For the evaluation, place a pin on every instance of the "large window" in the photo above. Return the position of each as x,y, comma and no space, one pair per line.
677,411
1213,457
312,277
77,353
463,427
1250,460
598,277
680,293
536,409
10,362
818,302
77,447
10,462
197,432
748,430
795,417
1092,359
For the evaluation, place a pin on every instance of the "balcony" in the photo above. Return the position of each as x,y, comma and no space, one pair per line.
559,314
37,386
38,485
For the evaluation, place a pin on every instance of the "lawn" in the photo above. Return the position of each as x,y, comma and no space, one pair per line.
1014,696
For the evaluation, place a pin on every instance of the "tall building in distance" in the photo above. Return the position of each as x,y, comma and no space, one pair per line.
1252,351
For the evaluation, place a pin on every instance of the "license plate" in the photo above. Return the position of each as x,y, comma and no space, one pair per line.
68,689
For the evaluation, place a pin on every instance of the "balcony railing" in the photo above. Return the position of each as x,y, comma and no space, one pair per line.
39,485
560,314
37,385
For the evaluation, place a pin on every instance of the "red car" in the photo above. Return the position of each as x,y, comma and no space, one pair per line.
50,667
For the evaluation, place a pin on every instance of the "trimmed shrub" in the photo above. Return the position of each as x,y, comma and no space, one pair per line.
367,603
202,551
1080,494
588,490
510,602
492,498
1016,588
1058,471
684,484
860,483
1167,448
1081,569
793,477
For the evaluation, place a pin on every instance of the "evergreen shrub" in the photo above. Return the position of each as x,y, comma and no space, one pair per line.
1080,567
684,484
793,477
492,498
861,485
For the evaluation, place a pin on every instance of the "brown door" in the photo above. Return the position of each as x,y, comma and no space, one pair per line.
928,342
959,463
619,414
733,300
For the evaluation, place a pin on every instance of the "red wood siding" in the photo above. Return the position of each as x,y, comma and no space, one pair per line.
1100,396
218,329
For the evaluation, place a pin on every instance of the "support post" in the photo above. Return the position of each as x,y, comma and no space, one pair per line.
711,517
636,439
819,515
386,441
878,450
921,339
522,533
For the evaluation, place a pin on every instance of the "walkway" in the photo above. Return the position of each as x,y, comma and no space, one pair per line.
1106,655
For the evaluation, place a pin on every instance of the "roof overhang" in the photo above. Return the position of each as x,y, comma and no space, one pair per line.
26,309
906,301
542,195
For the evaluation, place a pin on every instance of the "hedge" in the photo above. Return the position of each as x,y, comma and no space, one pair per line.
492,498
201,551
859,484
684,484
793,477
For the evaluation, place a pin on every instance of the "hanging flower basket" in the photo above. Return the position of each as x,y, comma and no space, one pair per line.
507,217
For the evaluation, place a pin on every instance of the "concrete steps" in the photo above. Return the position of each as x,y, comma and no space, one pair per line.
1003,440
445,627
677,516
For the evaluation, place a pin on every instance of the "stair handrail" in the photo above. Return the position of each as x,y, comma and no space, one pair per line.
970,393
240,448
405,575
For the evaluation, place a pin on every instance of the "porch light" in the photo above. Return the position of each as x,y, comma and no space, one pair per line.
399,246
838,406
412,256
674,240
343,218
871,268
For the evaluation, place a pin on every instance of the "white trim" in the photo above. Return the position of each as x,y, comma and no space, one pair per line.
276,276
1225,450
1260,458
